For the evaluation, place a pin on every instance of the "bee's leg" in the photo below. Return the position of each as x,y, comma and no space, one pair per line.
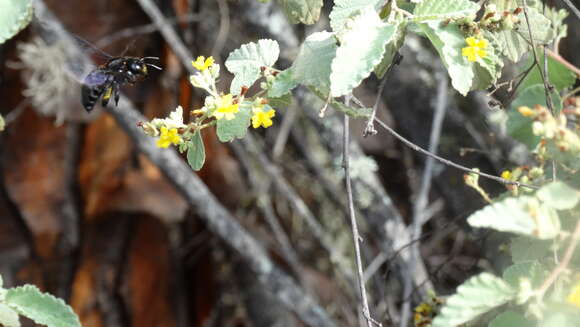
107,95
117,93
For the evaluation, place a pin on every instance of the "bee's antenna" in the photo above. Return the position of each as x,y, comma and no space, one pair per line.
154,66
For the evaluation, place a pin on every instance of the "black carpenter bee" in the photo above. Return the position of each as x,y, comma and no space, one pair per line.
104,81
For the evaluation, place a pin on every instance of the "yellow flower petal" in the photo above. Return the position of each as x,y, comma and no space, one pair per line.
471,41
168,137
526,111
262,118
225,107
475,49
506,174
574,296
201,63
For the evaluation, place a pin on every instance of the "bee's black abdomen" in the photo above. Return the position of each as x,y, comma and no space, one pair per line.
94,85
88,98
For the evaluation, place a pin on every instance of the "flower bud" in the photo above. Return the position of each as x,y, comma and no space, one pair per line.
149,129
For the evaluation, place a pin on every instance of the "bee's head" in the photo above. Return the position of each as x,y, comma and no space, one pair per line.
142,65
137,67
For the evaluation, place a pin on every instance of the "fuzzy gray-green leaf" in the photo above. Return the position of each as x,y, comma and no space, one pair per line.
196,152
346,9
302,11
510,319
14,16
8,317
282,84
438,9
477,295
524,215
228,130
448,41
312,66
245,62
559,196
361,49
42,308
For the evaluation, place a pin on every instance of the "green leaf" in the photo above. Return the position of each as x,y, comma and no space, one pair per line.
8,317
302,11
487,70
520,127
559,196
391,49
510,319
245,63
512,44
525,248
312,66
556,317
343,10
361,49
448,41
557,17
524,215
558,74
280,102
228,130
531,270
42,308
196,152
282,84
14,16
352,112
444,9
540,26
477,295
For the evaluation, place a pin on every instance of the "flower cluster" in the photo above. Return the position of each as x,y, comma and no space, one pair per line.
495,21
167,129
552,128
492,20
217,106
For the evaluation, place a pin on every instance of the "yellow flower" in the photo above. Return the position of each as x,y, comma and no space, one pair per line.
574,296
201,63
526,111
167,137
262,118
225,107
506,174
475,48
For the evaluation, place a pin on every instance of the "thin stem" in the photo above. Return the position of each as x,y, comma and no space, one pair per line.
355,234
451,163
423,194
547,87
168,33
370,128
563,264
224,28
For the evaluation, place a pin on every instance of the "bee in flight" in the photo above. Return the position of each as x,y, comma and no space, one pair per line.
104,81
